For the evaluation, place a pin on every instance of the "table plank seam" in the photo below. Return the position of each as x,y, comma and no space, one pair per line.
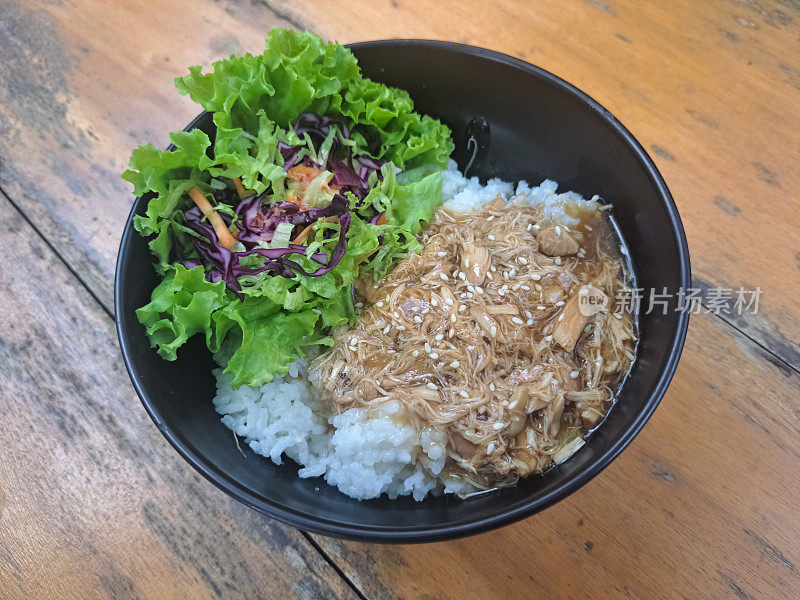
283,15
359,592
776,359
58,255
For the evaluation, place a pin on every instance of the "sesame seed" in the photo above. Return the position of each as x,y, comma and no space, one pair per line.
588,328
477,270
490,237
491,386
588,228
448,301
379,303
557,260
466,263
515,287
462,308
471,288
574,374
517,320
623,251
434,355
479,289
540,307
561,317
451,333
512,405
359,304
415,353
396,315
462,276
617,315
400,327
522,260
427,347
529,322
463,394
463,295
535,276
493,331
455,364
501,291
537,227
432,386
387,329
505,403
453,318
512,272
441,254
434,302
498,426
444,277
558,230
490,218
528,228
439,337
528,314
417,319
525,288
560,303
490,448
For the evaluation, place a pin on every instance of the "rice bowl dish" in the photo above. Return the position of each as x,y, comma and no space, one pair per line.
377,318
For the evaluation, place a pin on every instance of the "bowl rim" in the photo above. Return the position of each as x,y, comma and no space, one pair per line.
411,534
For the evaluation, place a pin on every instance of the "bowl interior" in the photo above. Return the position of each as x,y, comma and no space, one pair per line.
540,128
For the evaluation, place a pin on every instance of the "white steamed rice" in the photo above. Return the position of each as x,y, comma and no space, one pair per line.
365,453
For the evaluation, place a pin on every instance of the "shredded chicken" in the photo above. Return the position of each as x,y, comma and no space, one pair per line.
481,335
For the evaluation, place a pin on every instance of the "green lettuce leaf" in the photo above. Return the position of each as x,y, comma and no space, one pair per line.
416,202
254,99
181,306
271,339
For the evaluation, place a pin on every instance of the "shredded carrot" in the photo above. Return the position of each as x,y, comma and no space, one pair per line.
295,200
225,238
301,237
382,220
303,174
239,187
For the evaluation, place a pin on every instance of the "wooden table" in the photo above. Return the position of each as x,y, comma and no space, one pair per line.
94,502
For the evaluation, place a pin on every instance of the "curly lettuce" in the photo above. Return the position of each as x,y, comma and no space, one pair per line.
253,100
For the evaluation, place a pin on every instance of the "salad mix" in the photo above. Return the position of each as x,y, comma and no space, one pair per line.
315,175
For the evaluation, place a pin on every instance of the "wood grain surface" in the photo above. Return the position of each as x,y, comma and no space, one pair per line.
94,503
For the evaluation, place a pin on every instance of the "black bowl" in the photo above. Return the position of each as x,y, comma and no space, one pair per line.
541,127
